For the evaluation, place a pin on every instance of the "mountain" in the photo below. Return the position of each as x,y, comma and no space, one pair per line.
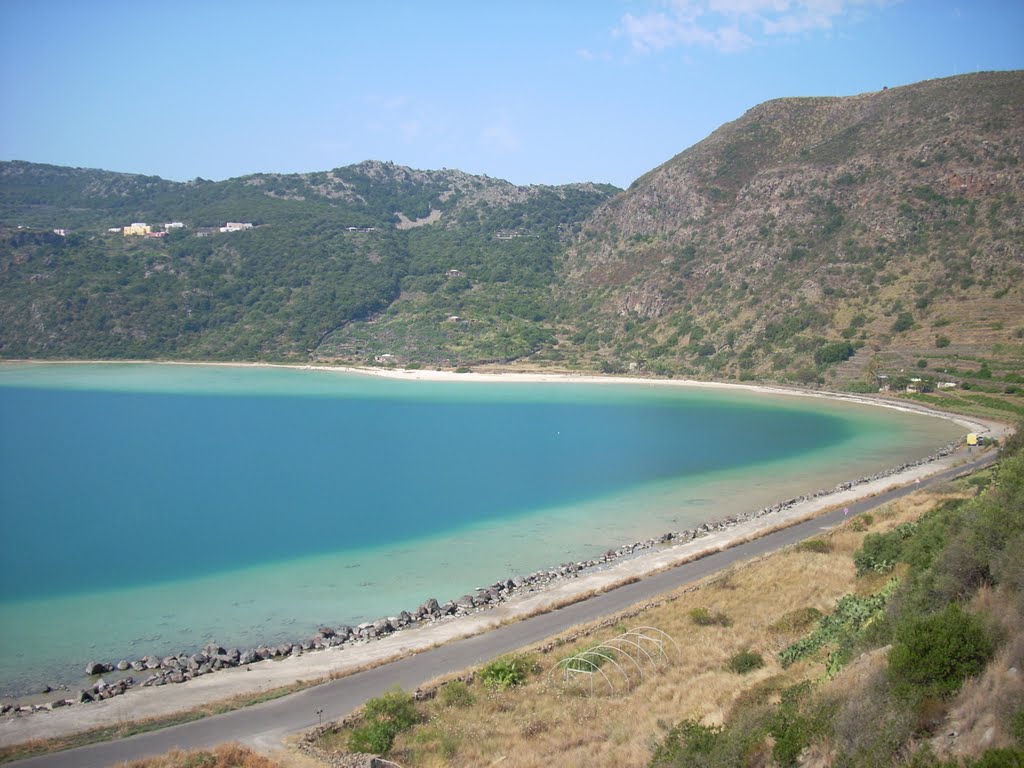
825,240
886,227
327,251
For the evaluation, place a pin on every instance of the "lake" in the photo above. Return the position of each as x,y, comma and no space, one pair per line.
154,508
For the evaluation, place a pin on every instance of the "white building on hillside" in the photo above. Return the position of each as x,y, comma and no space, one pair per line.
236,226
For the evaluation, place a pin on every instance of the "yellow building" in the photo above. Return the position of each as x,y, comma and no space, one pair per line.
137,228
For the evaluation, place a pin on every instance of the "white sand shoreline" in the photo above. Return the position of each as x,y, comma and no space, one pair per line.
139,703
533,377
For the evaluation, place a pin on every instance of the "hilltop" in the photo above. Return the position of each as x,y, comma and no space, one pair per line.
843,241
886,227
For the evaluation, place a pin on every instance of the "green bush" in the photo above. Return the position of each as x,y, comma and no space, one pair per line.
691,744
506,672
881,551
841,628
933,655
373,738
942,341
904,322
861,523
456,694
932,535
796,620
745,661
1017,726
999,758
590,659
795,724
383,719
834,352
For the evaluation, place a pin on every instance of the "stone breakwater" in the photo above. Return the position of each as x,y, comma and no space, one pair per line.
174,669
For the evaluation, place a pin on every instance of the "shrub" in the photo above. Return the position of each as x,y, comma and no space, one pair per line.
383,719
373,738
834,352
691,744
999,758
841,629
904,322
702,617
1017,727
590,659
860,523
795,621
795,724
878,554
456,694
931,536
933,655
880,551
942,341
745,661
506,672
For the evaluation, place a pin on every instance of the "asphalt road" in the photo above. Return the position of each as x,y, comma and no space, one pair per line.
263,725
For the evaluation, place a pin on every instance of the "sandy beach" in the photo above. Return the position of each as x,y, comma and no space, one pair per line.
139,703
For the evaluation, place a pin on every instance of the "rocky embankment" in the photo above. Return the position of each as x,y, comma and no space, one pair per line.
155,670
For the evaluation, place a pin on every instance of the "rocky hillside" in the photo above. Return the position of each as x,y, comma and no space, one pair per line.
327,253
885,228
829,240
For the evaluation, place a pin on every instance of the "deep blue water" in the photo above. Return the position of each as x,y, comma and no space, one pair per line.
112,488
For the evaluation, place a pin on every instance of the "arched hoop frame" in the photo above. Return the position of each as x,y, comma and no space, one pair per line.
619,664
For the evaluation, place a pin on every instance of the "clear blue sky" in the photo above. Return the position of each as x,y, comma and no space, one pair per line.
545,91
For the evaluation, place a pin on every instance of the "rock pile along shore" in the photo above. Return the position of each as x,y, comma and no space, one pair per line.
167,670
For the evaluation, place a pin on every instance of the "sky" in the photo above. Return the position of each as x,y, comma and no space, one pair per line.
531,91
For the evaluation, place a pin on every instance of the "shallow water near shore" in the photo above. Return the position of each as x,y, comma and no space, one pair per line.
154,508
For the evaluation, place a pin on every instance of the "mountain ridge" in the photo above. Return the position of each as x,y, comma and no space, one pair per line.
806,203
812,240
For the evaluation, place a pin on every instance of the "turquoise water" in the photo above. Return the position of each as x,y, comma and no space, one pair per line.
151,509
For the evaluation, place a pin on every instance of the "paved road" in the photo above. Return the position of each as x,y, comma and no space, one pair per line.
263,725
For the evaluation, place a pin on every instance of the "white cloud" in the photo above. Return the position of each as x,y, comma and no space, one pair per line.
730,25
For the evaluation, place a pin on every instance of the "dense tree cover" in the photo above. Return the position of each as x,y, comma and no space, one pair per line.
322,263
264,293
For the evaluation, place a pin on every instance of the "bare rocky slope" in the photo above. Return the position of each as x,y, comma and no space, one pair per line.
885,228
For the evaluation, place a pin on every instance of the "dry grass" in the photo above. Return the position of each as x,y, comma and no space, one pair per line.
543,724
221,756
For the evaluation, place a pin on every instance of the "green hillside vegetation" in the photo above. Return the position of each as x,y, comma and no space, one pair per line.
327,253
851,242
926,656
